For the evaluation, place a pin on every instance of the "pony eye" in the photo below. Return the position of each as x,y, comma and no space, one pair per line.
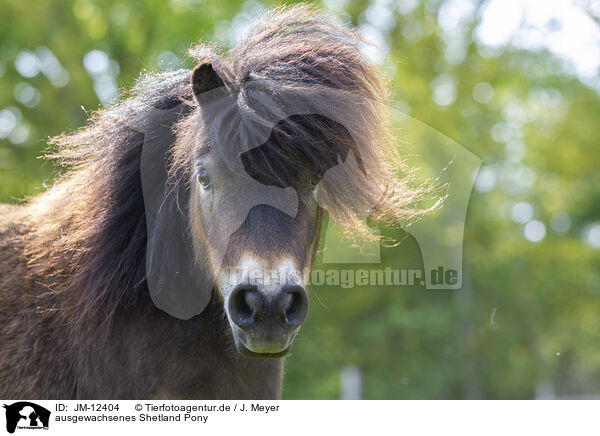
316,179
203,177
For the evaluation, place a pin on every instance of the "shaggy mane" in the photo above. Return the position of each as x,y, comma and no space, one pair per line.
89,230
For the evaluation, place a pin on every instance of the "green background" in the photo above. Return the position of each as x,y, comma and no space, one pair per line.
526,323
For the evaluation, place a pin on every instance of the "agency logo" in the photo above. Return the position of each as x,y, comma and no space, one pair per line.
245,159
26,415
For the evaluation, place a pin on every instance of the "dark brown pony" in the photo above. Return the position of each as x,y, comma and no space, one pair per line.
76,316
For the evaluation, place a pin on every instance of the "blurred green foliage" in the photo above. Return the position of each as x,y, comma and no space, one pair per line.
525,323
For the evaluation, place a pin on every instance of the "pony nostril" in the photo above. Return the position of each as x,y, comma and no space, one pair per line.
293,304
245,305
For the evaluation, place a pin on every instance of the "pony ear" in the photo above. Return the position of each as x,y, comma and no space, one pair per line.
205,78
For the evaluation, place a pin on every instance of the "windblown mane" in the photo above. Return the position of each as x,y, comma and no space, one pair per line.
88,238
89,230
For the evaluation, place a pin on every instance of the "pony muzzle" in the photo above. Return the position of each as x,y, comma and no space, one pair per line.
265,321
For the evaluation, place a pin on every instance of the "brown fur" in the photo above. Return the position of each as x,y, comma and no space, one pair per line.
76,318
